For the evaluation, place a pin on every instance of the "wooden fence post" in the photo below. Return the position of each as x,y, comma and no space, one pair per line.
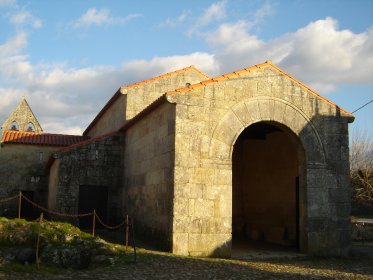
133,240
127,230
19,204
94,222
38,241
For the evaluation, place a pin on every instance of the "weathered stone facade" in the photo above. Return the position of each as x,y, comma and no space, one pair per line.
24,155
254,152
23,168
130,100
22,118
97,163
211,117
149,175
22,165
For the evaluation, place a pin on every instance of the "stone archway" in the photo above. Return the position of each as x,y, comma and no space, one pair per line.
260,109
286,115
268,186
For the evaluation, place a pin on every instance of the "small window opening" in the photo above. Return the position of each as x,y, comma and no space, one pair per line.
187,84
30,127
14,126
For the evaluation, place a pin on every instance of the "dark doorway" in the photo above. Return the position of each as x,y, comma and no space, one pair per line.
92,198
27,209
266,167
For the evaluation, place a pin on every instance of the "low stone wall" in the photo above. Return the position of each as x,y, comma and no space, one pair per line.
97,163
149,165
23,168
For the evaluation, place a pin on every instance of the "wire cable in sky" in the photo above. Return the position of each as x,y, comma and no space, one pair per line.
361,107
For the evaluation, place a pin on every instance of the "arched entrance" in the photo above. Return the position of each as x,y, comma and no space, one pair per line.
268,192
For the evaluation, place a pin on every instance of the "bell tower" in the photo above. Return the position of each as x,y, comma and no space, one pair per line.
22,119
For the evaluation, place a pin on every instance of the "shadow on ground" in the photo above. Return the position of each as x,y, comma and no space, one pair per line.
156,265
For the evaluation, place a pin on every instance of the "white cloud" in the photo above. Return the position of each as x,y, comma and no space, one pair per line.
66,99
25,18
14,45
233,37
330,54
4,3
100,17
172,22
55,125
141,69
319,54
54,91
266,10
215,12
14,67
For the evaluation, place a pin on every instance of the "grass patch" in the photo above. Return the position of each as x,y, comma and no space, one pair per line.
62,246
12,267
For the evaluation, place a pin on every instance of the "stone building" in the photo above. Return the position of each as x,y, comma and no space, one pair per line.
24,153
22,119
202,163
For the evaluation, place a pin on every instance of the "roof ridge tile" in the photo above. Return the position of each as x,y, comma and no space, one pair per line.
267,63
164,76
118,93
39,138
224,76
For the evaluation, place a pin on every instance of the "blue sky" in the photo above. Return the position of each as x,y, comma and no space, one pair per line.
69,57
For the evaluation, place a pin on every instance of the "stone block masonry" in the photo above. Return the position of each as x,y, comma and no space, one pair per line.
210,118
149,174
174,170
98,163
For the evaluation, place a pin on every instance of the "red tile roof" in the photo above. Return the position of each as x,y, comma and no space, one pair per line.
45,139
123,88
89,140
266,64
166,75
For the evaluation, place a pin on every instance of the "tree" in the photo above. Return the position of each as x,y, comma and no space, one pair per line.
361,168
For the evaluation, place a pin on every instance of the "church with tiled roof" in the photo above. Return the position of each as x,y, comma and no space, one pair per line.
201,164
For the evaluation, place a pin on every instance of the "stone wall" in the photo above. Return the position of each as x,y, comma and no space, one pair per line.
96,163
24,167
148,179
112,119
52,184
210,118
23,115
137,97
140,96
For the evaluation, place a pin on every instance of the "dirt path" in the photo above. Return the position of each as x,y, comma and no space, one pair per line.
153,265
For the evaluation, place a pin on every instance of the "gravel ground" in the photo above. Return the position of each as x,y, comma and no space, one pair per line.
155,265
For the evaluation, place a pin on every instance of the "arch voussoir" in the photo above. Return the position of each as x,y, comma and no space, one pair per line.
261,109
241,112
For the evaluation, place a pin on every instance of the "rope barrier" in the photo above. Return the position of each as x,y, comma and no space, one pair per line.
54,212
93,214
5,199
107,226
